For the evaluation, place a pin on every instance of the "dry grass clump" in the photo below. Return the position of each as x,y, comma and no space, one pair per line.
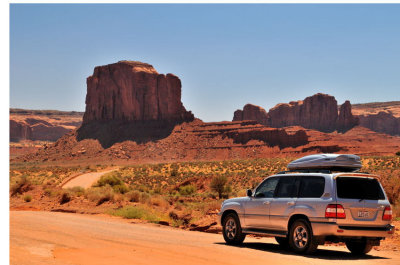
77,191
133,196
159,201
27,198
137,212
113,180
65,197
211,207
187,190
100,195
49,192
21,185
144,197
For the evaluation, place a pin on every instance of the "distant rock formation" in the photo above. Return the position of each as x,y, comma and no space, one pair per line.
383,122
251,112
133,91
270,136
346,120
36,129
19,131
130,100
319,112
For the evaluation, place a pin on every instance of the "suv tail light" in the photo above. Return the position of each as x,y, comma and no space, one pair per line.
387,214
335,211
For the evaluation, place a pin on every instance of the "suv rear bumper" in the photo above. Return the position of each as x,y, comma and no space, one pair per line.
333,229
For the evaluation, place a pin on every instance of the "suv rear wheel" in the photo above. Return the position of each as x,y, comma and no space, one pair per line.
232,230
301,238
358,247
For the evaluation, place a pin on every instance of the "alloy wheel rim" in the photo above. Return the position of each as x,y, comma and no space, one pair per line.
300,236
230,228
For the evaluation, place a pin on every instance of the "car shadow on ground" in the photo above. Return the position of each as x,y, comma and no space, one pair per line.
319,254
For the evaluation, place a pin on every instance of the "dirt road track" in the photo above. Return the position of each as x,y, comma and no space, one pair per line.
85,180
62,238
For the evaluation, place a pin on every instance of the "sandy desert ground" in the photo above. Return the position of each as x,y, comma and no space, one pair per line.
60,238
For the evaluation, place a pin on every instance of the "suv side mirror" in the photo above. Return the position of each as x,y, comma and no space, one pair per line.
249,193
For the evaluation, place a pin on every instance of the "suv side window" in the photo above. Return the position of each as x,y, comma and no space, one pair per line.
312,187
287,188
267,188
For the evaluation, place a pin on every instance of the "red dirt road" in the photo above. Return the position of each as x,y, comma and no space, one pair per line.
62,238
86,180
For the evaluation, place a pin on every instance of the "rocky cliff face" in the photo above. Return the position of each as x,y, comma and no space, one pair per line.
251,112
19,131
42,125
346,120
319,112
316,112
133,91
382,122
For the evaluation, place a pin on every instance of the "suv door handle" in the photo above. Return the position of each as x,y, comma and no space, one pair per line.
290,203
267,202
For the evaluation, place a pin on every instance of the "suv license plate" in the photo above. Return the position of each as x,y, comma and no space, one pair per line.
363,214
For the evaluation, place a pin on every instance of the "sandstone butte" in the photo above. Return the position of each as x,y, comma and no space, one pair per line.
135,114
41,125
133,91
319,112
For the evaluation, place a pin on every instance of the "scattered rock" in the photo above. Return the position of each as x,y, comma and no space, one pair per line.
163,223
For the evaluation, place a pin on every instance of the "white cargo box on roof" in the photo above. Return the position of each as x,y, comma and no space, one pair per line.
339,162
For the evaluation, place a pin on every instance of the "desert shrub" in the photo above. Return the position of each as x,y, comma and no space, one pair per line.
49,182
65,197
136,212
27,198
159,201
112,179
219,185
173,215
21,185
118,197
133,196
122,188
144,197
77,190
187,190
176,220
50,192
143,188
100,194
157,190
211,207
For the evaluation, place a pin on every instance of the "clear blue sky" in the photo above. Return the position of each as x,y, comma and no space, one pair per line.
225,55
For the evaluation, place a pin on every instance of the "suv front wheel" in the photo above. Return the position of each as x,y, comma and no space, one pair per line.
232,230
301,238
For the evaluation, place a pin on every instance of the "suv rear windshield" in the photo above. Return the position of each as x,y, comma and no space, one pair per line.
359,188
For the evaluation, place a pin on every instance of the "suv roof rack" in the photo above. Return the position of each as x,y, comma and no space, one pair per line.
313,170
319,170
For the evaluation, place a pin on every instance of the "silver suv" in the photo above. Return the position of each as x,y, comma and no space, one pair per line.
304,210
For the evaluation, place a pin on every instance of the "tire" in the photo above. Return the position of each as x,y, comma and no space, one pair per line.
232,230
283,242
358,248
301,239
